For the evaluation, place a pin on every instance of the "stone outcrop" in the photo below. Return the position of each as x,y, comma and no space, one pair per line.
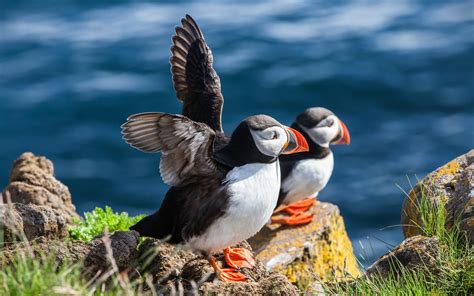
176,269
32,181
32,221
320,250
414,253
451,185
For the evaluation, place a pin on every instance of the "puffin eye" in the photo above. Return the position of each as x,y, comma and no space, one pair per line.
275,135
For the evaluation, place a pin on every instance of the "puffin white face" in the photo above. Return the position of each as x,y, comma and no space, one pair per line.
270,141
326,131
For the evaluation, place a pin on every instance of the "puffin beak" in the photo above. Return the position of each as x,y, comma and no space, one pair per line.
296,142
346,137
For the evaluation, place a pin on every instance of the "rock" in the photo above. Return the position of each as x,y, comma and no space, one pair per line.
94,254
414,253
176,269
452,185
320,250
32,181
31,220
123,249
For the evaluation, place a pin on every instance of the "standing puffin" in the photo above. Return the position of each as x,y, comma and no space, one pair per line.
218,197
304,175
224,189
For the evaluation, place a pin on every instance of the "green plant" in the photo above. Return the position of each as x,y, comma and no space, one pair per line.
95,223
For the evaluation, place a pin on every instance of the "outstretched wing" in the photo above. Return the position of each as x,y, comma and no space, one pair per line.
186,146
195,80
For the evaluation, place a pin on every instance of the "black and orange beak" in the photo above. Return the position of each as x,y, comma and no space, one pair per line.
345,137
296,142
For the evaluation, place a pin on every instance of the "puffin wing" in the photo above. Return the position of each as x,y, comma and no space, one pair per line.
196,82
186,146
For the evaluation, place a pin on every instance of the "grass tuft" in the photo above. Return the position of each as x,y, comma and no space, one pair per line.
100,220
454,273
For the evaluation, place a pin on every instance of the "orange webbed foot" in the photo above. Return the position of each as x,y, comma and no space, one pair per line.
229,275
298,207
239,258
295,219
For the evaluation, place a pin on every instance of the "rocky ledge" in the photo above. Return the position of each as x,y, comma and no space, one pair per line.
318,251
37,209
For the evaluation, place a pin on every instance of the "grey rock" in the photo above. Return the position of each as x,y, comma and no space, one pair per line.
414,253
452,185
31,220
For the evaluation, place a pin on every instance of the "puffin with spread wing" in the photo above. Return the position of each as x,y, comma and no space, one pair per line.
224,189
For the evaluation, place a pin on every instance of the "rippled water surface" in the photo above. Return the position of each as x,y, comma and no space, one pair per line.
399,73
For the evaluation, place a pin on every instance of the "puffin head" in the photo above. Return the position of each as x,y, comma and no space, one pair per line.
260,139
272,138
323,127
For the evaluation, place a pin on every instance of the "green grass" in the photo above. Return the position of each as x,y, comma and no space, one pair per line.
41,275
97,221
455,263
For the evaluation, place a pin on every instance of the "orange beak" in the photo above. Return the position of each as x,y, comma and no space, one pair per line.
346,137
296,142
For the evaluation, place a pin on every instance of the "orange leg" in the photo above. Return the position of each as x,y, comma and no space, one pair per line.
227,274
298,207
239,258
295,219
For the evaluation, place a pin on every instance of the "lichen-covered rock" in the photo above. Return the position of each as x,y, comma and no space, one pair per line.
31,220
452,185
32,181
414,253
176,269
320,250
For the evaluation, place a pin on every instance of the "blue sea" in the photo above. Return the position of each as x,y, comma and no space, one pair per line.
400,74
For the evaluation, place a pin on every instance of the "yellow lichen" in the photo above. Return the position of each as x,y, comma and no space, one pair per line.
332,258
320,250
450,168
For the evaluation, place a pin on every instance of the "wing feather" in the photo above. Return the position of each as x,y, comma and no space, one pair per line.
195,81
186,146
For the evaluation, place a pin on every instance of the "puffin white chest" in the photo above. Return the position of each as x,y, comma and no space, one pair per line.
307,178
253,191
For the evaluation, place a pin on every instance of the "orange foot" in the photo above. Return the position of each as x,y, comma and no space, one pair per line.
227,274
295,219
298,207
239,258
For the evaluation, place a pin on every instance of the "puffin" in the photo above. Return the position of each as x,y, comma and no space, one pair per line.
304,175
223,189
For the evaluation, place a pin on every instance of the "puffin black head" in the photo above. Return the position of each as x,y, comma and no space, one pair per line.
260,139
323,127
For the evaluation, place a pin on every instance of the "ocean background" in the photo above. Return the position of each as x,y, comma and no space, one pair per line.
400,74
